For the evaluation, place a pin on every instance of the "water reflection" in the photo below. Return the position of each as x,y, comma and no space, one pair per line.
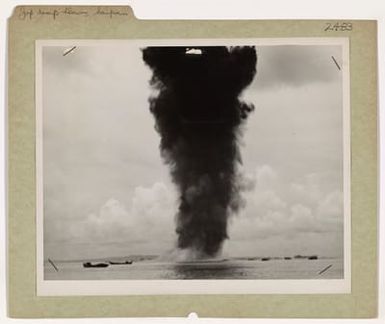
208,270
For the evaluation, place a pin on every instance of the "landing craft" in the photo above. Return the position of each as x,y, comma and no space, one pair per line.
94,265
117,262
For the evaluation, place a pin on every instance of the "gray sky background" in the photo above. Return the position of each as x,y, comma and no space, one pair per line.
107,192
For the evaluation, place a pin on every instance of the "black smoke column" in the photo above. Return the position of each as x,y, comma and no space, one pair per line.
198,116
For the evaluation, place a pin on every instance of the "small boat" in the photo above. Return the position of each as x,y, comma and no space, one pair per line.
313,257
265,259
287,258
298,256
116,262
95,265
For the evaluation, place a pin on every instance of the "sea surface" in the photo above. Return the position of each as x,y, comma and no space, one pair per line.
237,268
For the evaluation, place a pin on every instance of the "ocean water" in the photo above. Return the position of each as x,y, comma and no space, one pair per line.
219,269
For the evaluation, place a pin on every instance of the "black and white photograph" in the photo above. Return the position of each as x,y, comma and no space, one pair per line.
205,163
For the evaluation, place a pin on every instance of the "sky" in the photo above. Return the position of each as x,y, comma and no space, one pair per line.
108,193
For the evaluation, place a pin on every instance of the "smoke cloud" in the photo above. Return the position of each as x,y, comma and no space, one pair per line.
199,115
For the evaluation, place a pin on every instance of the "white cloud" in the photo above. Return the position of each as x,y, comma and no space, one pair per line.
300,214
331,206
308,192
148,221
265,176
291,210
146,225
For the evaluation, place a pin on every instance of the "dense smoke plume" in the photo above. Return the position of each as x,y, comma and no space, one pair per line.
199,115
